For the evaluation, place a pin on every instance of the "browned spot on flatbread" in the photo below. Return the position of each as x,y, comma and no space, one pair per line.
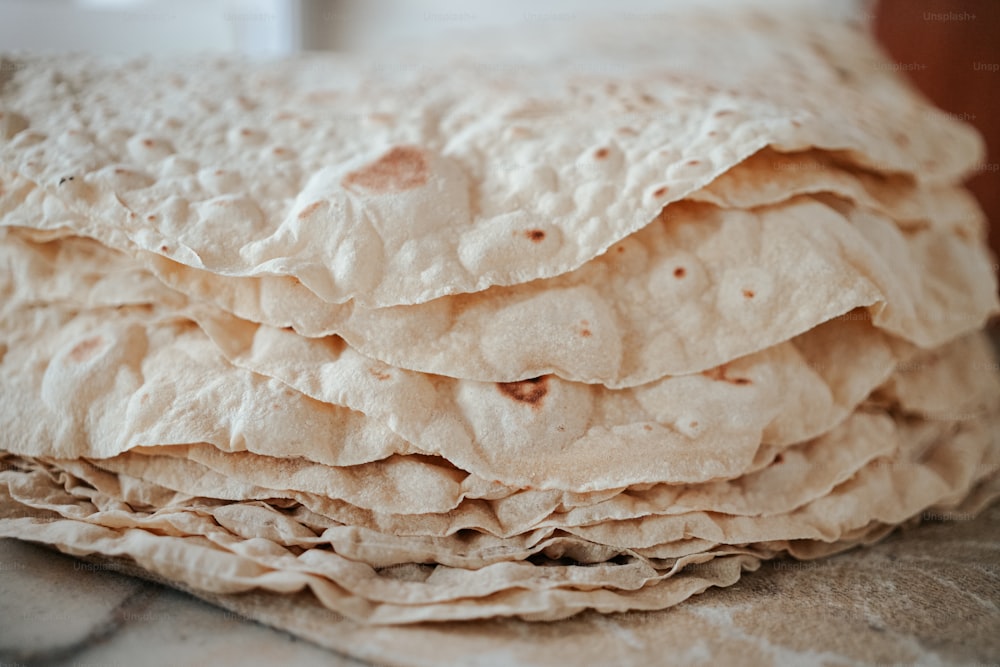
647,427
530,391
402,168
680,272
719,374
585,333
601,153
748,294
85,349
693,163
659,192
322,96
148,143
378,374
536,235
309,210
917,226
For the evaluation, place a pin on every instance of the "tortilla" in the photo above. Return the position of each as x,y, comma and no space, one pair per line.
681,296
228,563
130,376
444,344
392,188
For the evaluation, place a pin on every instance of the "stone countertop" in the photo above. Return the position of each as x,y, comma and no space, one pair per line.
56,610
925,595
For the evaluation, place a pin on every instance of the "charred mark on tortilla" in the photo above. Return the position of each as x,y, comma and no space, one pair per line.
536,235
379,374
309,210
719,374
530,391
66,178
85,349
402,168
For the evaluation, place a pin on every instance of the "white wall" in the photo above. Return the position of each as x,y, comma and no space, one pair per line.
134,27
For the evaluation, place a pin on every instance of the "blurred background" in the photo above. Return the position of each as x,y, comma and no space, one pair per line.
270,27
950,48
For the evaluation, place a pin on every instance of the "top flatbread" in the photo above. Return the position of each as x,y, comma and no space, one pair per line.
396,185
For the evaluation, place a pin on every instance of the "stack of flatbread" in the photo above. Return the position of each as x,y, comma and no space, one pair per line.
594,321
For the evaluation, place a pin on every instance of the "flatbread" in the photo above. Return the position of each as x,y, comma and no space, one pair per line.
806,471
452,344
769,177
216,561
129,376
392,188
680,296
